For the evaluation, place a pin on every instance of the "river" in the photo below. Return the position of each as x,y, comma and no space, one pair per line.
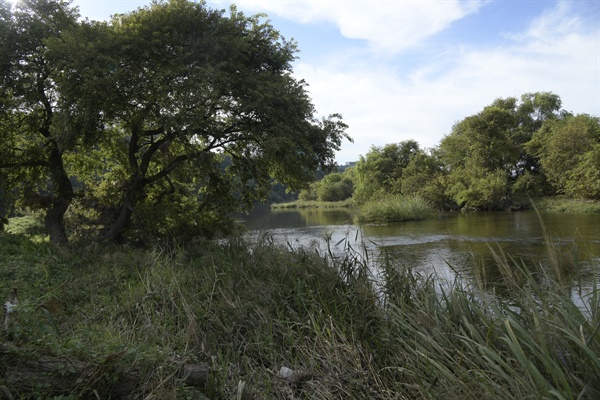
445,245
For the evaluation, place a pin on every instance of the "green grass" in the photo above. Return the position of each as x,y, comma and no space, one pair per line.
31,225
249,310
395,209
563,204
314,204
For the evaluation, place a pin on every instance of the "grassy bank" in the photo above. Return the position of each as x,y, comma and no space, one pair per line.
395,209
567,205
248,311
313,204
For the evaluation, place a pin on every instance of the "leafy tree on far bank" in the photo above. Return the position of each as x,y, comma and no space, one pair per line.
568,150
486,157
380,171
335,187
425,177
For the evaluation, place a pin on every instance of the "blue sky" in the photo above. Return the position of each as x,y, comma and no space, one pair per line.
408,69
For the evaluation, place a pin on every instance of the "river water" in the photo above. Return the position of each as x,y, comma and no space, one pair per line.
445,245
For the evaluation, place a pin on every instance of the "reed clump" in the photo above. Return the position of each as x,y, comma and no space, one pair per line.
340,330
395,209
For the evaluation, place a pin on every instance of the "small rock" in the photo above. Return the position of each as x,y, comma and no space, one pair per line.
286,374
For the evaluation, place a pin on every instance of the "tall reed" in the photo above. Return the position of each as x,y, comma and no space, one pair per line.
395,208
249,310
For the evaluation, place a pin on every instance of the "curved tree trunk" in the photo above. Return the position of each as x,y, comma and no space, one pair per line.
116,228
63,195
113,233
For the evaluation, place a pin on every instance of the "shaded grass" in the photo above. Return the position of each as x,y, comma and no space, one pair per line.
395,209
250,310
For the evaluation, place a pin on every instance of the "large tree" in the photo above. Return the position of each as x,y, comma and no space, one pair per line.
32,138
196,107
485,153
425,176
568,150
380,171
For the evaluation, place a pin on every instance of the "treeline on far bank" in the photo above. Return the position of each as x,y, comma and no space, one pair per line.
497,159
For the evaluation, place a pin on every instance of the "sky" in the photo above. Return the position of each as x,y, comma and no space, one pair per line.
410,69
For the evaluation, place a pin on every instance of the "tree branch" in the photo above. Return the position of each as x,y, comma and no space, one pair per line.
31,163
174,164
166,192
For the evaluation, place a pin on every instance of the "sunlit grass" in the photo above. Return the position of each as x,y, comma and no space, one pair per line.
567,205
31,225
395,209
313,204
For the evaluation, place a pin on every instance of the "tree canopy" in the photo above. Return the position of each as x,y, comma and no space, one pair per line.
168,117
569,153
380,171
486,156
32,143
513,149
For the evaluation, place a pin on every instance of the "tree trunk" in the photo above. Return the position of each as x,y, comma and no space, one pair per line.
3,203
63,195
130,199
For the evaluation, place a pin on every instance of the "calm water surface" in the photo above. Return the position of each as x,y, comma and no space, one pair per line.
461,240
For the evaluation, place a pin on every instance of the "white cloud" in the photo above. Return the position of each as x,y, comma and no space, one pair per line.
388,26
551,25
557,53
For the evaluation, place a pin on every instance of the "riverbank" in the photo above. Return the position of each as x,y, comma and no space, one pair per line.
313,204
399,208
279,323
566,205
388,209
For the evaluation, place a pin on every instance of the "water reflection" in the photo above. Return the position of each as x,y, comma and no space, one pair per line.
451,242
264,218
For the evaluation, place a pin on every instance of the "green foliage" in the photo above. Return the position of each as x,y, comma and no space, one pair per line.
425,177
173,112
568,205
32,138
487,156
335,187
31,225
309,193
473,190
314,204
568,151
584,179
380,171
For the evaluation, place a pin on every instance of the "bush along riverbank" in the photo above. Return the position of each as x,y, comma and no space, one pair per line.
277,323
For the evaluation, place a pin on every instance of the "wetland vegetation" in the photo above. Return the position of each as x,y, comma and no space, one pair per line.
129,147
249,310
